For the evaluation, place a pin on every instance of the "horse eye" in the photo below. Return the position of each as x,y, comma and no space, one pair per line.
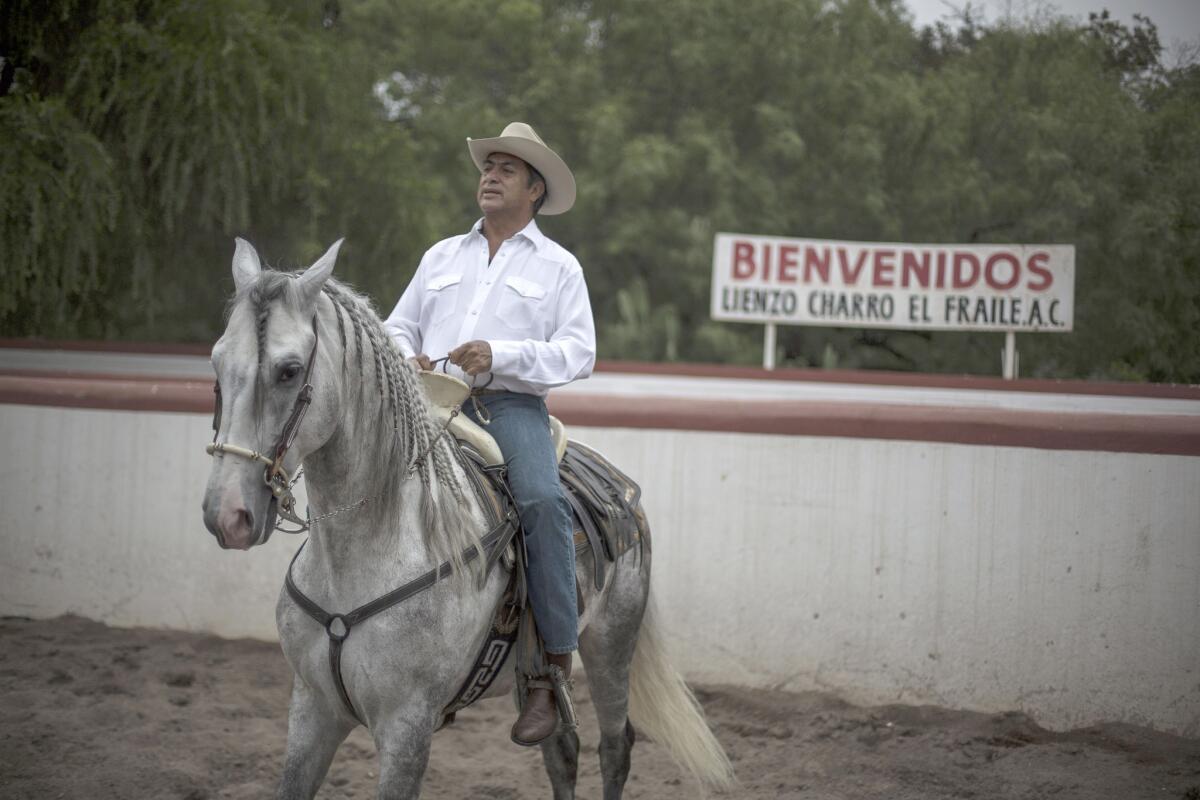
288,372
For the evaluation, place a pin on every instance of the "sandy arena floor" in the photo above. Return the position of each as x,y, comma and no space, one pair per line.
88,711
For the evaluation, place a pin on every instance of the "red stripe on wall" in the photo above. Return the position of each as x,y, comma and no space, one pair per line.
122,394
920,380
863,377
1167,434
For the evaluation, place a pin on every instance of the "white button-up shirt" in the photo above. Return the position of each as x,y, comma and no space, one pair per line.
530,304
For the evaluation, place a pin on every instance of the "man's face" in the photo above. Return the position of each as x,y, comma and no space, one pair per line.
504,185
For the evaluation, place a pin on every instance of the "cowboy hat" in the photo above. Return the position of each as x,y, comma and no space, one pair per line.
522,141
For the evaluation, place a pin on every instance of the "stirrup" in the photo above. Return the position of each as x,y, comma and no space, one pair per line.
562,687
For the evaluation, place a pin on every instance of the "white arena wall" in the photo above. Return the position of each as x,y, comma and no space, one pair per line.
1061,583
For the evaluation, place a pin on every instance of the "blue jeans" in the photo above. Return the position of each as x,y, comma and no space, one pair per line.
520,425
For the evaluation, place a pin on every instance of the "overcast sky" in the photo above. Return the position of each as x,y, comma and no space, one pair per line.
1178,21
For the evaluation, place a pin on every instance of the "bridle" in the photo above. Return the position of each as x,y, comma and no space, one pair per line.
283,502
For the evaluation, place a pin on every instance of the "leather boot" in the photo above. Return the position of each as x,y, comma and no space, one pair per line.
539,717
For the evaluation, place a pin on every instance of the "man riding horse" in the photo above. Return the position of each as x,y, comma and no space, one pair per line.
506,300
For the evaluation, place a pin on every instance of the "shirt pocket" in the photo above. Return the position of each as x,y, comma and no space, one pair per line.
441,297
521,303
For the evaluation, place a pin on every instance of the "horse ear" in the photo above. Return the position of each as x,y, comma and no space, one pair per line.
246,265
315,276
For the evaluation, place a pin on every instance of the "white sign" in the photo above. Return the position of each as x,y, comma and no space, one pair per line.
878,285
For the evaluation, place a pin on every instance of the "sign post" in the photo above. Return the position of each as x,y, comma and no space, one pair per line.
769,346
1010,355
1003,288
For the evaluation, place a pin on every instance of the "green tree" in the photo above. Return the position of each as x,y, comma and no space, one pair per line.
141,137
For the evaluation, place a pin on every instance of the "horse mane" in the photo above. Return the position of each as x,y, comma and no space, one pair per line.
418,446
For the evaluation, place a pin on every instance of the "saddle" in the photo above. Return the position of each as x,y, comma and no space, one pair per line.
447,394
604,501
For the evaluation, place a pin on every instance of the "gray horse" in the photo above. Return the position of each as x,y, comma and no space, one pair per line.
390,501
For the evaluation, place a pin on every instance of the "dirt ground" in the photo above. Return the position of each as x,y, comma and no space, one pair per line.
88,711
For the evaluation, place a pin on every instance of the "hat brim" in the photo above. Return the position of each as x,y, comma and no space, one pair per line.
560,183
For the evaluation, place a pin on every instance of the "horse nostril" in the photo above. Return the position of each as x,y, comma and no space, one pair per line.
247,518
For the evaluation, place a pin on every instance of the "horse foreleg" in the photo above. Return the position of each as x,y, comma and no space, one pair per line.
314,733
560,754
403,744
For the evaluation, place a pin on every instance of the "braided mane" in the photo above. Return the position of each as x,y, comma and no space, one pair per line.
402,439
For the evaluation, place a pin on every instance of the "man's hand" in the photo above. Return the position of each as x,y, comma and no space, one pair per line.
422,362
473,357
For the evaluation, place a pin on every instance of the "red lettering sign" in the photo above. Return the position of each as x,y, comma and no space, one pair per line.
788,263
914,266
818,261
743,260
1037,265
960,279
850,276
884,263
1014,270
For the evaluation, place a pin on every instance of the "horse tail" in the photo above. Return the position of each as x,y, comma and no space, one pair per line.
663,707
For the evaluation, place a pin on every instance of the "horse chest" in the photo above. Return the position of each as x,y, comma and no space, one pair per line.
416,650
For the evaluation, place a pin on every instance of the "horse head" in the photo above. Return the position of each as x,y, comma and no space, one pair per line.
272,374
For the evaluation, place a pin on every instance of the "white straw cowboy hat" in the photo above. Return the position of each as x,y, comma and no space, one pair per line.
522,141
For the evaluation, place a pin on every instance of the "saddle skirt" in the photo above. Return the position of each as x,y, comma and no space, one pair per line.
447,393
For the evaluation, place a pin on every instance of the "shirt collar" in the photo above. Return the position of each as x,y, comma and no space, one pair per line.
531,232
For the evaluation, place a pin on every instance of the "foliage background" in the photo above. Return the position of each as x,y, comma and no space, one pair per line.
139,137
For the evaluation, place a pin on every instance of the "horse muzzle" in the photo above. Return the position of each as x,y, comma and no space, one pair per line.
235,525
235,529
